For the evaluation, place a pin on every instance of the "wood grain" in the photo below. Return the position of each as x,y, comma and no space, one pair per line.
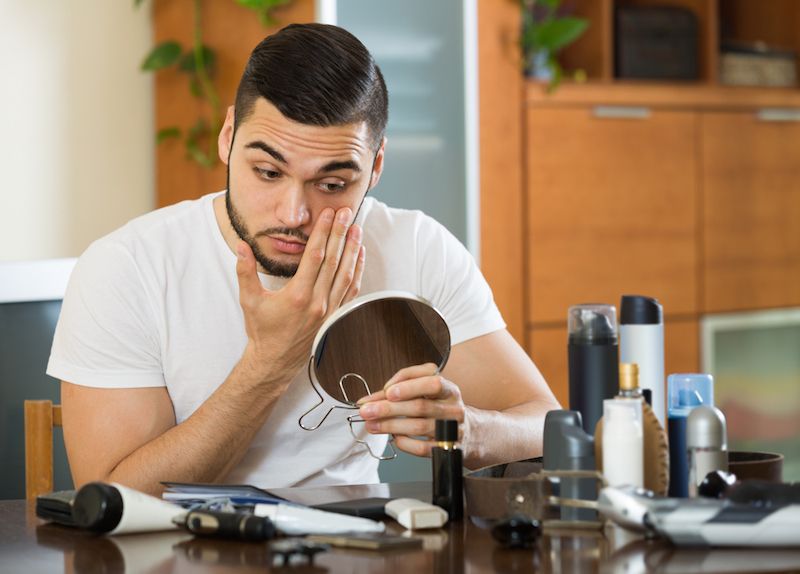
751,182
501,158
39,420
611,210
233,32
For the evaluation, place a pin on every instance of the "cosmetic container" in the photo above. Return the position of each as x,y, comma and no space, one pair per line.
447,465
685,391
641,341
623,442
706,444
593,357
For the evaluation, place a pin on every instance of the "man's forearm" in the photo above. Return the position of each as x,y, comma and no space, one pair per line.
207,445
504,436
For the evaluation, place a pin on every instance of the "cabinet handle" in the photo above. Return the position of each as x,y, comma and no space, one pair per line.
778,115
621,112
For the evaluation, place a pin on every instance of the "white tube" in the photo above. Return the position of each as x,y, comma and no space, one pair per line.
415,514
298,520
117,509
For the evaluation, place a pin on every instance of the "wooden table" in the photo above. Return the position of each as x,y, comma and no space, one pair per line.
30,546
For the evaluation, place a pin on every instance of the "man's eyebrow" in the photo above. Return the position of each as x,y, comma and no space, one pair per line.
258,144
337,165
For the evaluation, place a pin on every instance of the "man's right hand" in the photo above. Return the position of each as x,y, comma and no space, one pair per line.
281,325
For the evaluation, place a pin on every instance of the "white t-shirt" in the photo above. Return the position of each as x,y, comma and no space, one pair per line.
156,304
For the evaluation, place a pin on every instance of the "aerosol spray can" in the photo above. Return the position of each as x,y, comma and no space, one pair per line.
686,391
706,444
641,341
593,355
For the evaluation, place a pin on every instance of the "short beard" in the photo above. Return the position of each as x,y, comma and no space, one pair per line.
272,267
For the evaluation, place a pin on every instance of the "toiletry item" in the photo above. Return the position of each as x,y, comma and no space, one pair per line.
415,514
641,341
656,446
685,391
623,442
117,509
447,465
706,444
297,520
568,447
593,356
228,525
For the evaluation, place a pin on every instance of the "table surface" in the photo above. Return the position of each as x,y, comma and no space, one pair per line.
29,546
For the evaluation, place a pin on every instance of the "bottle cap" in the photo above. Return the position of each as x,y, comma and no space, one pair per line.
628,376
98,507
688,390
640,310
592,324
554,423
446,430
706,428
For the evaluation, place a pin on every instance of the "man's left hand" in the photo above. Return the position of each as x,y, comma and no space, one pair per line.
409,405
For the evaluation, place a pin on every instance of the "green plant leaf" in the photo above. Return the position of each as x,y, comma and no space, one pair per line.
195,87
188,64
137,3
553,35
167,133
162,56
197,133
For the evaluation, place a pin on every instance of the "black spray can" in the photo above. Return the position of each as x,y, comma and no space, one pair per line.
593,355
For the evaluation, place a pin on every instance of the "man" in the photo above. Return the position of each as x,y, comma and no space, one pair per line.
183,334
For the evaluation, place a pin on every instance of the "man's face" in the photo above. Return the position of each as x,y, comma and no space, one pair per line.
282,174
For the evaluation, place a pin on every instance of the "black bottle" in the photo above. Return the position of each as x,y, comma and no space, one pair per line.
447,464
593,355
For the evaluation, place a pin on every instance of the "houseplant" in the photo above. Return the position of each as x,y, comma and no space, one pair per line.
545,32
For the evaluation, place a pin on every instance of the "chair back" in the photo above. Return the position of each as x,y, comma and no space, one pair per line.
40,418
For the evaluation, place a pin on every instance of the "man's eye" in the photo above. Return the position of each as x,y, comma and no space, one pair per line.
267,173
330,187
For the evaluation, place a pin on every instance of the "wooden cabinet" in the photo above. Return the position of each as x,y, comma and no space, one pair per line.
611,208
751,210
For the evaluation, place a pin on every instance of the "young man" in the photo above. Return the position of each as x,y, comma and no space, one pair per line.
183,335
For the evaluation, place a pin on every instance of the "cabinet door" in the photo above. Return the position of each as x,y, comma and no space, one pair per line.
548,348
751,212
611,209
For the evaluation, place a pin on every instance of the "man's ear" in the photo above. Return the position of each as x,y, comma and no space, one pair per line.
378,169
225,139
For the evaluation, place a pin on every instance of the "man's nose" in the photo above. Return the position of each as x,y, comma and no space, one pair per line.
292,210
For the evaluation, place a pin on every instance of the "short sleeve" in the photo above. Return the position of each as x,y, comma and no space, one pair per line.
106,334
450,279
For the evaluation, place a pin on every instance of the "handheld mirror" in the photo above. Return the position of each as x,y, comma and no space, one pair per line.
364,343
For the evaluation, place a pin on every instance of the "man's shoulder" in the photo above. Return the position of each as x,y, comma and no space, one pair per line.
381,218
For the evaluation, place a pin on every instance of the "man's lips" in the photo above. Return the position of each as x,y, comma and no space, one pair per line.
287,245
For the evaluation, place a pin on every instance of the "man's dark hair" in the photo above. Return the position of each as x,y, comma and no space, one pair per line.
315,74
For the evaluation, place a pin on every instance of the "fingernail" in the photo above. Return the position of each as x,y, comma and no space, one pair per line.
373,426
369,411
393,393
344,215
240,251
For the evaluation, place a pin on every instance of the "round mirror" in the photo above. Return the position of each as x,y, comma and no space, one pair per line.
365,342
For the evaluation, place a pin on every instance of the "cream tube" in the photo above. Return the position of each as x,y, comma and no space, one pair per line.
117,509
298,520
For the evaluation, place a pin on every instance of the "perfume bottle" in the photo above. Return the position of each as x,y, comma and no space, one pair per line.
447,466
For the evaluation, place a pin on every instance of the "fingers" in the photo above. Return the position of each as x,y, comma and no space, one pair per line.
247,274
355,284
314,253
433,387
414,372
346,273
333,254
414,446
383,411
